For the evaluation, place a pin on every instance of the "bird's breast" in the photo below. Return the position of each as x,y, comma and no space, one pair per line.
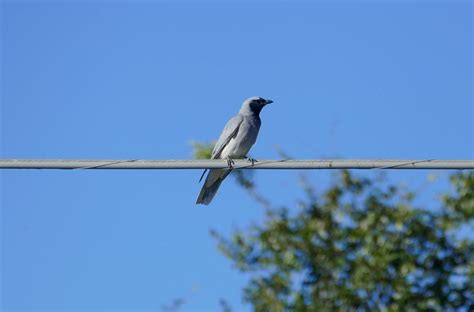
239,146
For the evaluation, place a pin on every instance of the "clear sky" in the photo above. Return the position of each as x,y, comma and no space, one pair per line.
141,79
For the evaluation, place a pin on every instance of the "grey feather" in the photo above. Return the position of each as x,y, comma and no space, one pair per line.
230,131
211,185
238,136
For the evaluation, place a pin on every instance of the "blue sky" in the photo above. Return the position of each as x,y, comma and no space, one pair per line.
140,80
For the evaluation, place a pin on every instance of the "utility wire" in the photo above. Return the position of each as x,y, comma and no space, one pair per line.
79,164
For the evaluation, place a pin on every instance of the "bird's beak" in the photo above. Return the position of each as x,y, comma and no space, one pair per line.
268,102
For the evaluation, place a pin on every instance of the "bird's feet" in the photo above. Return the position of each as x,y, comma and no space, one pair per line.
251,160
230,162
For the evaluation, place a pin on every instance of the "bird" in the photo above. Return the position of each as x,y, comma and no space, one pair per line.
239,135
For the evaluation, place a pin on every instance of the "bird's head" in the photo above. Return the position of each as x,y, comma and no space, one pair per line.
253,105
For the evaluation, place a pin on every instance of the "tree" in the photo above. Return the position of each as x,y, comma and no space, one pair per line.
361,245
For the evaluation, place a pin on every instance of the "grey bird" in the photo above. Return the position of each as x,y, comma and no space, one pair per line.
238,136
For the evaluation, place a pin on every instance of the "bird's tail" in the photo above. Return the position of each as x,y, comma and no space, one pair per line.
211,185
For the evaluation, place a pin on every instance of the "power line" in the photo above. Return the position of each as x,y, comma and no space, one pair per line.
238,164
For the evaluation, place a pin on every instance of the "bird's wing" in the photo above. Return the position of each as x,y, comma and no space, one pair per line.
230,130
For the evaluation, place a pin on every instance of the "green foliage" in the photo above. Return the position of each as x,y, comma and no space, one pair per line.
461,204
202,150
225,306
360,245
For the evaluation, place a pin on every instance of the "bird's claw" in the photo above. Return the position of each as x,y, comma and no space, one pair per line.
230,163
251,160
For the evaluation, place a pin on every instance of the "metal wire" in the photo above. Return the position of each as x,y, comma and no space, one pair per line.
79,164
